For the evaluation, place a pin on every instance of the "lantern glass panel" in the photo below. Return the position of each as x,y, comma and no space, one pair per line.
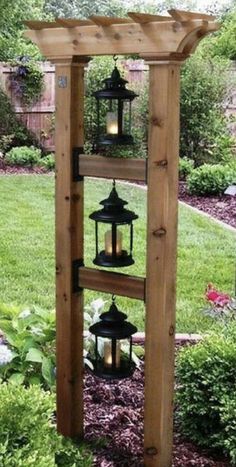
114,240
114,358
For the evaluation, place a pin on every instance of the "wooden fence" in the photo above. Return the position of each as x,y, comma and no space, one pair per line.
39,118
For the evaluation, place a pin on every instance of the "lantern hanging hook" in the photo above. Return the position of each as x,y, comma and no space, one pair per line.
115,58
114,183
113,298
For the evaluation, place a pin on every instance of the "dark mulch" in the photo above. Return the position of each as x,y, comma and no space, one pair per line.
114,426
221,207
15,169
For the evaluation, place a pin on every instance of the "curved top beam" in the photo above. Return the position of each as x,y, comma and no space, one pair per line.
146,35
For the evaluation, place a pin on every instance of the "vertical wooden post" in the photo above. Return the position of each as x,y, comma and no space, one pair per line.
69,246
161,261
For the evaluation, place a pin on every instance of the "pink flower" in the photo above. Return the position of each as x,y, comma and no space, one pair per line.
218,298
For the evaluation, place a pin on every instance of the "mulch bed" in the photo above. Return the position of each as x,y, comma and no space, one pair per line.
221,207
114,426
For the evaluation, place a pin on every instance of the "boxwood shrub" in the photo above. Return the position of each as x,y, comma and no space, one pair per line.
23,155
185,167
28,436
210,179
206,397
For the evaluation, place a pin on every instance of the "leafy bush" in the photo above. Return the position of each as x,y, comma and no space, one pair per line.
185,167
27,427
48,162
206,401
205,85
210,179
12,130
23,155
223,43
30,337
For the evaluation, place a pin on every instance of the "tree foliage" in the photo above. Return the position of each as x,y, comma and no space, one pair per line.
204,87
12,42
224,43
83,8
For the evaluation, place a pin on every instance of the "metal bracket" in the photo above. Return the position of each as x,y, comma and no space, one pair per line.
75,164
76,265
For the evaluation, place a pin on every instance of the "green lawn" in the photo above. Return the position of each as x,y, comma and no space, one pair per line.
205,253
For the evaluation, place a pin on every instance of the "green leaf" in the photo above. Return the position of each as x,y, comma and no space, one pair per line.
34,355
47,371
16,378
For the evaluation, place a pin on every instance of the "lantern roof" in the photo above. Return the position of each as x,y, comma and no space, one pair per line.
115,88
113,324
175,35
113,210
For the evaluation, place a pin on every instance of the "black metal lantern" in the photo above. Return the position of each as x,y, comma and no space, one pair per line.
113,344
114,213
114,104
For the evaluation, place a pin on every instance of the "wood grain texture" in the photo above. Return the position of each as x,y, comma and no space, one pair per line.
108,21
112,282
113,167
182,15
161,263
69,246
144,18
150,38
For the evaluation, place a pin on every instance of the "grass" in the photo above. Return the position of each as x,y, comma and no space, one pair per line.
205,249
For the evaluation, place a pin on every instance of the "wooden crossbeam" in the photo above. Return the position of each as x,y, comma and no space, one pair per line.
38,25
112,282
72,23
108,21
143,18
181,15
127,38
112,167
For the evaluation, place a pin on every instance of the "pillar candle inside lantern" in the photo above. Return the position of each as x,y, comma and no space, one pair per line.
108,243
108,354
112,123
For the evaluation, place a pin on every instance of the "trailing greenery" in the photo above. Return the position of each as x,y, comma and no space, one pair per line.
30,336
206,250
185,167
28,434
23,155
206,398
12,131
204,134
210,179
27,80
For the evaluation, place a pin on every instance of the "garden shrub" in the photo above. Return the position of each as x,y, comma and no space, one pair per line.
206,400
48,162
185,167
30,339
210,179
28,435
12,131
205,84
23,156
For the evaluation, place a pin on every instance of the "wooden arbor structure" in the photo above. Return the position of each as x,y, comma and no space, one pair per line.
164,42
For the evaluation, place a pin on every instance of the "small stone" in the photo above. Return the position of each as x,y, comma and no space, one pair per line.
231,190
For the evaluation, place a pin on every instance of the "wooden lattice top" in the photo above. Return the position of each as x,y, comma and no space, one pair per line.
150,36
